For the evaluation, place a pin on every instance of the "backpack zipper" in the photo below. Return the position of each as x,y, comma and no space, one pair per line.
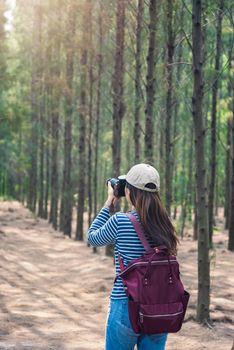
146,262
153,316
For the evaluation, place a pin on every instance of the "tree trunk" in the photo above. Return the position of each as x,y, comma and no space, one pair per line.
175,120
47,103
201,189
117,87
188,187
48,157
90,114
195,223
228,175
55,104
138,95
213,120
118,102
41,125
183,190
66,199
99,79
150,83
83,110
231,211
169,77
33,170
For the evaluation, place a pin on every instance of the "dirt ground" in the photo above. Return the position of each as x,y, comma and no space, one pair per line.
54,291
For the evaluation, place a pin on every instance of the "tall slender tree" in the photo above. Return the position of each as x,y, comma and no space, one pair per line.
118,94
231,210
169,82
213,118
55,108
138,70
67,200
33,170
98,105
117,87
91,80
83,111
203,302
150,82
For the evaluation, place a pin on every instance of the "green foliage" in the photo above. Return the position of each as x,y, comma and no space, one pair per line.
17,67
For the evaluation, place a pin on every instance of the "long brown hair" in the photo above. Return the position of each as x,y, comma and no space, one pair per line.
154,218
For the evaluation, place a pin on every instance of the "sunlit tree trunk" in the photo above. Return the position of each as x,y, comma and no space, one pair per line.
83,110
65,223
33,147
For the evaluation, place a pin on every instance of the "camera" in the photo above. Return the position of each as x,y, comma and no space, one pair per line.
118,185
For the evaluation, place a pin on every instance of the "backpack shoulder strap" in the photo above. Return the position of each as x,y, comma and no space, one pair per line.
139,230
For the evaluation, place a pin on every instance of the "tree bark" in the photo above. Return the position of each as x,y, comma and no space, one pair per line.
83,110
66,199
138,95
228,176
175,120
33,170
99,79
90,114
117,87
169,82
41,123
55,104
118,100
150,83
203,302
213,120
47,156
231,215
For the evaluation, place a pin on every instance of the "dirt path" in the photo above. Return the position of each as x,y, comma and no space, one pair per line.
54,291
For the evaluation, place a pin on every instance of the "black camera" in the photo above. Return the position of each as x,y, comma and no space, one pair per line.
118,185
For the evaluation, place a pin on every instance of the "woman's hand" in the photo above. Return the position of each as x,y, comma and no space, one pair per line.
111,199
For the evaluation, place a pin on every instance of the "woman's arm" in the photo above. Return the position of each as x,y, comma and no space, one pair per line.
104,228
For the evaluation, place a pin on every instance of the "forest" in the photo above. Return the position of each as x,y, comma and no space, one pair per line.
91,87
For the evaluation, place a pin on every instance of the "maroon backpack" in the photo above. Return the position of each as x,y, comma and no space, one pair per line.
157,300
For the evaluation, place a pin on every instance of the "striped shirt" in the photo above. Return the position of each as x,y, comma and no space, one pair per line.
118,230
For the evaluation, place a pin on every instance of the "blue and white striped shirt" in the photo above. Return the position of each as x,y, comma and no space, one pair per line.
118,230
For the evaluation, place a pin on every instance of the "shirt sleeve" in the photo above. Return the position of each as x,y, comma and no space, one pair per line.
103,229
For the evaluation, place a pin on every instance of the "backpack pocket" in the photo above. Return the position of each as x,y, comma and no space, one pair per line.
160,318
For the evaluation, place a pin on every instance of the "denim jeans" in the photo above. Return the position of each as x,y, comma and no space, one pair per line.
119,333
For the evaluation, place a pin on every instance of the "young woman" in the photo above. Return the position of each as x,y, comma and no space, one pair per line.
142,194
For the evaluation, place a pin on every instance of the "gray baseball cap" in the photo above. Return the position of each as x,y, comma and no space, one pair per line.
142,174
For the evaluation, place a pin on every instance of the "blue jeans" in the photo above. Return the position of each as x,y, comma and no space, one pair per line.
119,333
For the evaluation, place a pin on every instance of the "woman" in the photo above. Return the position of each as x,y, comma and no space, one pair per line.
142,194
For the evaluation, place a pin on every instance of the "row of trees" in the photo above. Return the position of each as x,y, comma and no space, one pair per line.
148,78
